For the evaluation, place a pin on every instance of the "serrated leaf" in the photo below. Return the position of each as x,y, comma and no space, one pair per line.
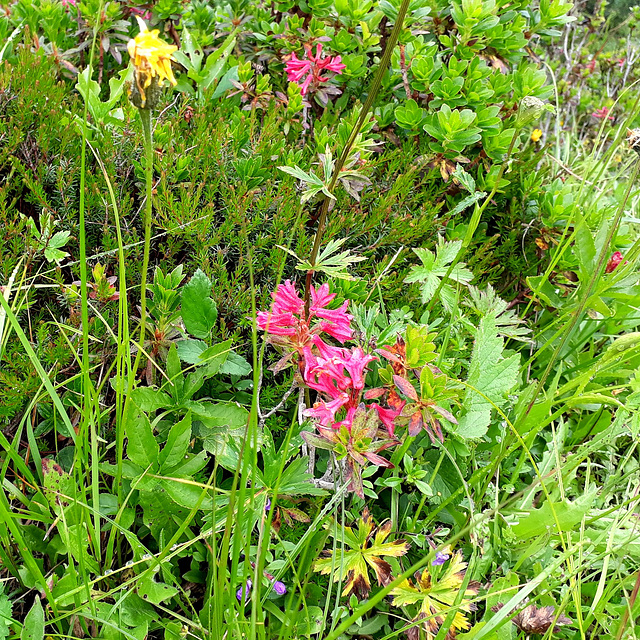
467,202
177,444
489,373
142,447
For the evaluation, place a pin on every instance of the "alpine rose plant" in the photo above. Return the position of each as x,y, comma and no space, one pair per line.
312,67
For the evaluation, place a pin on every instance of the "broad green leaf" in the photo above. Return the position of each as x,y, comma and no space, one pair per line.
142,447
177,443
190,350
569,514
199,312
154,592
33,628
149,399
489,373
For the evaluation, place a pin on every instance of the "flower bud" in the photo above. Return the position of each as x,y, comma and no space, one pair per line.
280,587
530,109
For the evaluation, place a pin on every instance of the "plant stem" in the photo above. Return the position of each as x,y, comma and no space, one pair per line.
595,276
147,134
474,222
346,151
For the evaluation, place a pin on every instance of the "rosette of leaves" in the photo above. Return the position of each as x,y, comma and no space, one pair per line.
366,546
437,592
422,410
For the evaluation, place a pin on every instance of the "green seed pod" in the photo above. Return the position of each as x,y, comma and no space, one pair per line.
530,109
141,97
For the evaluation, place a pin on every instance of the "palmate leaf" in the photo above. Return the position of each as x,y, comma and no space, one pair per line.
365,548
508,324
492,375
434,267
332,263
436,592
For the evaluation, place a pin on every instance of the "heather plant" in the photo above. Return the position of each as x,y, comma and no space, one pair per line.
317,322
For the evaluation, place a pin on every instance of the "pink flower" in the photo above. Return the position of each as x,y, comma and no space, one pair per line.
69,3
613,262
602,113
339,374
312,67
288,320
388,416
145,15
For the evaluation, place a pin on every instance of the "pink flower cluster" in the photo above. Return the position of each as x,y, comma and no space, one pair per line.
69,3
312,67
602,114
336,373
288,320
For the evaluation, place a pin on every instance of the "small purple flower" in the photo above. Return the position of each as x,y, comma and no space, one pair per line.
243,592
440,559
280,587
267,506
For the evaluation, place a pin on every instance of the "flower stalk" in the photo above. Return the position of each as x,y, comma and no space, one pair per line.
364,112
147,136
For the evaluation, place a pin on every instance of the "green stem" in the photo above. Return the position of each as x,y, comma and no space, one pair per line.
147,134
475,221
595,276
346,151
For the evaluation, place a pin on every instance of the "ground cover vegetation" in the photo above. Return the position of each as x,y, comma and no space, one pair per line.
319,319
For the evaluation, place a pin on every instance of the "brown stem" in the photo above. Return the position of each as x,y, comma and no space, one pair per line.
632,601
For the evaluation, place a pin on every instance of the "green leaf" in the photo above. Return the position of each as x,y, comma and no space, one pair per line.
199,312
220,414
5,614
177,444
492,375
215,62
33,628
175,384
569,514
236,365
467,202
154,592
149,399
332,263
190,350
142,448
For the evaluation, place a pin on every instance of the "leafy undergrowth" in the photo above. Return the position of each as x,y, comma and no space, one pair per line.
334,335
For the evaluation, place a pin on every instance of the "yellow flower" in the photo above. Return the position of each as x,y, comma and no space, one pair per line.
536,134
151,58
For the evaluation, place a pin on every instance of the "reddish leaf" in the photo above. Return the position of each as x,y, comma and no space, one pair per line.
406,387
415,424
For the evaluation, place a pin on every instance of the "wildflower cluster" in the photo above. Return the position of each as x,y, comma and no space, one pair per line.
307,72
346,424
